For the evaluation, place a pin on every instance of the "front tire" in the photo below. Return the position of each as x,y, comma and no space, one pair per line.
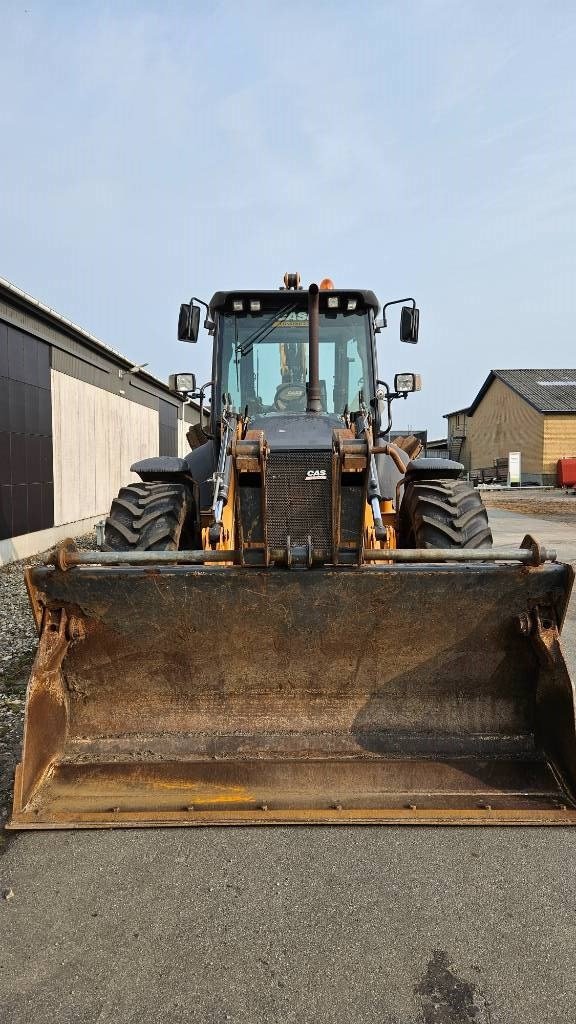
443,514
150,516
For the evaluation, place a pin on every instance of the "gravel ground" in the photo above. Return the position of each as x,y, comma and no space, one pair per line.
18,642
556,505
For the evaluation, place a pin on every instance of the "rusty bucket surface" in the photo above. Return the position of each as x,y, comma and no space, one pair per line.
390,694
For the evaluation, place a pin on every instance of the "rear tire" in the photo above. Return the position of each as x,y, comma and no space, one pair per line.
151,516
443,514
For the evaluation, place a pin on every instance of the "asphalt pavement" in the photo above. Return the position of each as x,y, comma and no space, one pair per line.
394,925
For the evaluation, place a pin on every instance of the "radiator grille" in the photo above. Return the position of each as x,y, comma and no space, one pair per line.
352,504
299,502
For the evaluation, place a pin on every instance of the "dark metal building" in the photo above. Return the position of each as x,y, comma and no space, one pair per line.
74,414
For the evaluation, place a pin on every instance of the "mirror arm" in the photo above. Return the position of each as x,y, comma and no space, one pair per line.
394,302
207,433
208,325
388,399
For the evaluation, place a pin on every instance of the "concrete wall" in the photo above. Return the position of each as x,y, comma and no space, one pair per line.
183,446
97,436
14,548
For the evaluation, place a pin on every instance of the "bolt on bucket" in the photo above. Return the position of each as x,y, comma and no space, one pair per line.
194,695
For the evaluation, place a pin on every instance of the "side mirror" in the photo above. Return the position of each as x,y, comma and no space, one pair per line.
188,322
404,383
182,382
409,323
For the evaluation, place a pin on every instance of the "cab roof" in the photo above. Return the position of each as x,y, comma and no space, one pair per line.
222,301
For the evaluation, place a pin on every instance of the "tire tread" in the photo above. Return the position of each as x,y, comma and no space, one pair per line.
443,514
150,516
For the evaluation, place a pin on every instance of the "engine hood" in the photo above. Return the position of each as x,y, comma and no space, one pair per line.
297,431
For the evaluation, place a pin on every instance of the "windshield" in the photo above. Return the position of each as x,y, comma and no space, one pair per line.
265,361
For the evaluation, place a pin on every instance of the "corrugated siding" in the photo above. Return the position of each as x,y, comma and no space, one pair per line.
97,435
503,423
559,440
104,377
25,434
192,413
64,336
168,428
84,369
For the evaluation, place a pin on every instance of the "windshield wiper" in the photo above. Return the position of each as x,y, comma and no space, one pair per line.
265,329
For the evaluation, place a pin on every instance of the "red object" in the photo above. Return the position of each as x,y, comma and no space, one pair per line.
566,473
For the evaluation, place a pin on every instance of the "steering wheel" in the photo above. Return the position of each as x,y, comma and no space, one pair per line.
290,398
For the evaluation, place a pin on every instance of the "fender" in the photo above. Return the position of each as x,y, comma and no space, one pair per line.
162,467
196,469
433,469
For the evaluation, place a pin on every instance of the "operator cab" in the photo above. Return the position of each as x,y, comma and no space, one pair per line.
263,351
265,364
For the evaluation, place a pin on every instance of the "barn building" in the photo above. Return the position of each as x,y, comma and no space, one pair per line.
74,415
528,411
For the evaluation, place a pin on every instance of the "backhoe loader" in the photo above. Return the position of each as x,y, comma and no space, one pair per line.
297,622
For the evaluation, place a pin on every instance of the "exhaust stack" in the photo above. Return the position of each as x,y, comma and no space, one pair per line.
314,401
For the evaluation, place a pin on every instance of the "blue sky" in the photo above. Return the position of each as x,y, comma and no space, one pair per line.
152,151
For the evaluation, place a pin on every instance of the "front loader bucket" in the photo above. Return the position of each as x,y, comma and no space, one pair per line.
225,695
